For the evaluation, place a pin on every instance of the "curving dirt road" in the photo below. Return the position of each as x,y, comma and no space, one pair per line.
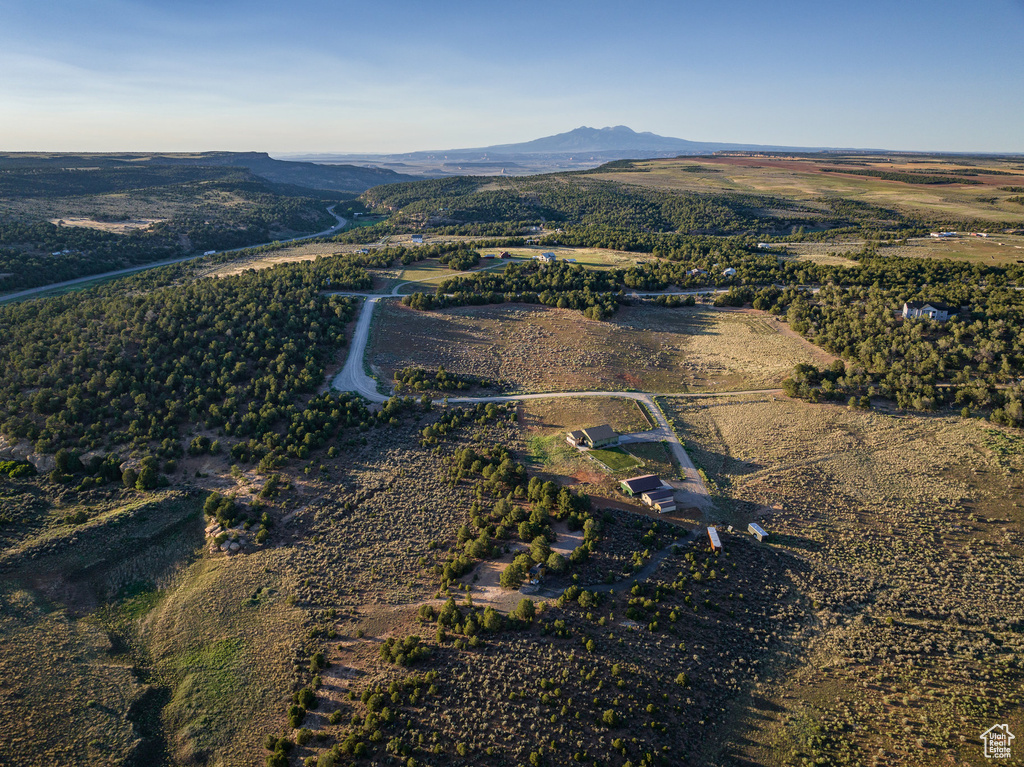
142,267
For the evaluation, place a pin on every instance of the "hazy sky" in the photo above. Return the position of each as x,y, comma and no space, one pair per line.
308,75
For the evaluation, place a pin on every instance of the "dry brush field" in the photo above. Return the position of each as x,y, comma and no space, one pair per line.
911,528
644,348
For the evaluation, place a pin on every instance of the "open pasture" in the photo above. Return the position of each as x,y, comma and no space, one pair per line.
644,348
803,179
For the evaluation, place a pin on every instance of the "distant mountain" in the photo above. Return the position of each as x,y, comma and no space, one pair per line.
574,150
353,179
617,140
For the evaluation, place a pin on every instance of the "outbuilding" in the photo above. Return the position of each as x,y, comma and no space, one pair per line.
639,485
757,531
662,499
716,543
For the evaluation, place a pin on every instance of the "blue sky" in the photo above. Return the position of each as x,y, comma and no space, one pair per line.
306,75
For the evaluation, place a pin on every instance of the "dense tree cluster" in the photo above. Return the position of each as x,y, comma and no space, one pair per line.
906,177
972,361
122,367
420,380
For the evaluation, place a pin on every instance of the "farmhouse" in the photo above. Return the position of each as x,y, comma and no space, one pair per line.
547,258
933,310
417,239
637,485
716,543
593,437
757,531
729,272
662,500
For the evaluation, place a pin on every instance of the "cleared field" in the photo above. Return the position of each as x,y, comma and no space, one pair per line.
994,250
118,227
828,255
558,416
592,258
913,532
293,254
803,179
646,348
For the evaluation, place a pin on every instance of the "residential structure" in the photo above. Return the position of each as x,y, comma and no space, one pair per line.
933,310
593,437
637,485
417,239
729,272
547,258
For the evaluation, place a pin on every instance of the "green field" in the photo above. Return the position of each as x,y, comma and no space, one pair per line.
615,458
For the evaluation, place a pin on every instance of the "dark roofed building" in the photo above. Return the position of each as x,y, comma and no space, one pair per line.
575,438
662,499
638,485
599,436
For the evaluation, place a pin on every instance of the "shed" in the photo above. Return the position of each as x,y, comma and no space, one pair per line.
636,485
716,543
757,531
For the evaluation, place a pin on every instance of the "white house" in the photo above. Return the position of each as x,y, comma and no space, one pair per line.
417,239
729,272
932,310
